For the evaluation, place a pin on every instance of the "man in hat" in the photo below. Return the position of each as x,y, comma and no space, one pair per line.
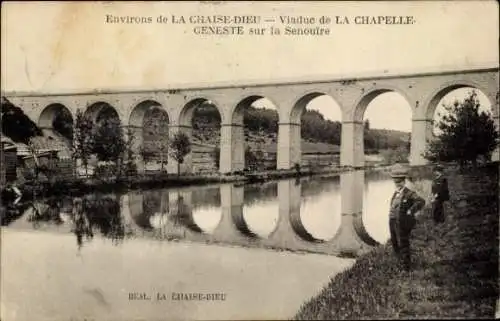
440,194
404,204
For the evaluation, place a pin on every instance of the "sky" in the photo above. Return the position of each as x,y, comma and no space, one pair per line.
60,46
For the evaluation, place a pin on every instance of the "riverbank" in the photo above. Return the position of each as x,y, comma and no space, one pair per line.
455,265
82,186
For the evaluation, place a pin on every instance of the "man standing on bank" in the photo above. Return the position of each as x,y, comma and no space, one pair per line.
404,204
440,194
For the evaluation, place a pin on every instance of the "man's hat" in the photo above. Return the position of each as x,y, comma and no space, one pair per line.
399,171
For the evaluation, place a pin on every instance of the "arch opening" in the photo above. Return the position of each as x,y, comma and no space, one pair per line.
58,118
316,142
109,139
451,95
481,118
200,119
100,112
149,124
386,117
259,117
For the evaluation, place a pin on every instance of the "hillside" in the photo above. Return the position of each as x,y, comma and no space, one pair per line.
261,127
455,264
318,134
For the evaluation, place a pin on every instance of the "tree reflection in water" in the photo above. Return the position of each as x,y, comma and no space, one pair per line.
103,213
45,211
96,212
81,223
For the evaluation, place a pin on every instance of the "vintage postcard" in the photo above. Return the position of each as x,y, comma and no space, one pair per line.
248,160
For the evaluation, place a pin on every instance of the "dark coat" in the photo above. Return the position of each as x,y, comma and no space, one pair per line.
440,189
411,203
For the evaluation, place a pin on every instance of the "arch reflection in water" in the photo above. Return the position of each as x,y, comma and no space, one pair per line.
289,230
320,207
377,195
261,211
206,208
166,213
232,225
352,236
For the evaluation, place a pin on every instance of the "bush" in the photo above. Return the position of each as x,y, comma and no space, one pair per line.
129,168
466,134
106,171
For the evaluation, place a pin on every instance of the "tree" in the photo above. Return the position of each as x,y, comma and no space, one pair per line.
63,123
83,138
130,152
16,124
250,158
180,146
109,144
465,133
155,136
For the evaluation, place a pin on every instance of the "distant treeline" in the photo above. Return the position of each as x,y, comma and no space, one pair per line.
314,128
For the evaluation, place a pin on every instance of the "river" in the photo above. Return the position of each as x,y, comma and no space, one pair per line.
251,251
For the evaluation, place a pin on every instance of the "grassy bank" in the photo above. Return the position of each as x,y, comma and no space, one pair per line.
455,265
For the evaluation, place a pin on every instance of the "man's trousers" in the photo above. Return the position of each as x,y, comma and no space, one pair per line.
400,239
438,211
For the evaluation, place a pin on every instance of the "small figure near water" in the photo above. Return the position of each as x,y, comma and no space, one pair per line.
403,206
440,194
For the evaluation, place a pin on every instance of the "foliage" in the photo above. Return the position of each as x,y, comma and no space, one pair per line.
16,124
105,171
253,159
261,119
63,123
396,155
103,213
83,140
465,133
316,128
215,154
180,146
155,135
129,144
109,143
146,153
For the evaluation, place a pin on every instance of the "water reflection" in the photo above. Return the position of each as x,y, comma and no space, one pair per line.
346,213
260,209
82,216
320,215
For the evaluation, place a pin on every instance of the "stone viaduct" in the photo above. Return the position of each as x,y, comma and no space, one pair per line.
422,91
